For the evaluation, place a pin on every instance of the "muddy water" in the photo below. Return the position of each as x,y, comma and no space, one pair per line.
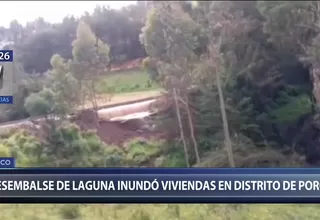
119,113
127,112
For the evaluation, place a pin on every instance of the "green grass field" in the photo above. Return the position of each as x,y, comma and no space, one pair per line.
159,212
125,86
127,81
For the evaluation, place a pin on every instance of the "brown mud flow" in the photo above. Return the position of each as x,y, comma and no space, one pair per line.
112,132
117,132
120,131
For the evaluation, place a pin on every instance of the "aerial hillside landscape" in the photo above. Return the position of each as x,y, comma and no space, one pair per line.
165,84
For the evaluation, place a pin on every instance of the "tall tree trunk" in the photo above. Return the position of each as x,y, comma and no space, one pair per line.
82,94
181,128
225,122
195,144
217,61
93,98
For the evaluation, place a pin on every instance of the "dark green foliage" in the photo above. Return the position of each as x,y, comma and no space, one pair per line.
17,110
293,109
267,88
64,146
41,103
68,147
174,155
139,152
120,29
39,40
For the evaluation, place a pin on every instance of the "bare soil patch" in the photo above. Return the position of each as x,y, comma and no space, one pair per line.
127,65
115,132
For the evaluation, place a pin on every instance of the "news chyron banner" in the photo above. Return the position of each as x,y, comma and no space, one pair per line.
7,77
150,185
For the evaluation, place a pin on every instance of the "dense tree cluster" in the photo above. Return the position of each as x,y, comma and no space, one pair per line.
36,42
253,65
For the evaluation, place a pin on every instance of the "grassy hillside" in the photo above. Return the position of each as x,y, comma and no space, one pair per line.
127,81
